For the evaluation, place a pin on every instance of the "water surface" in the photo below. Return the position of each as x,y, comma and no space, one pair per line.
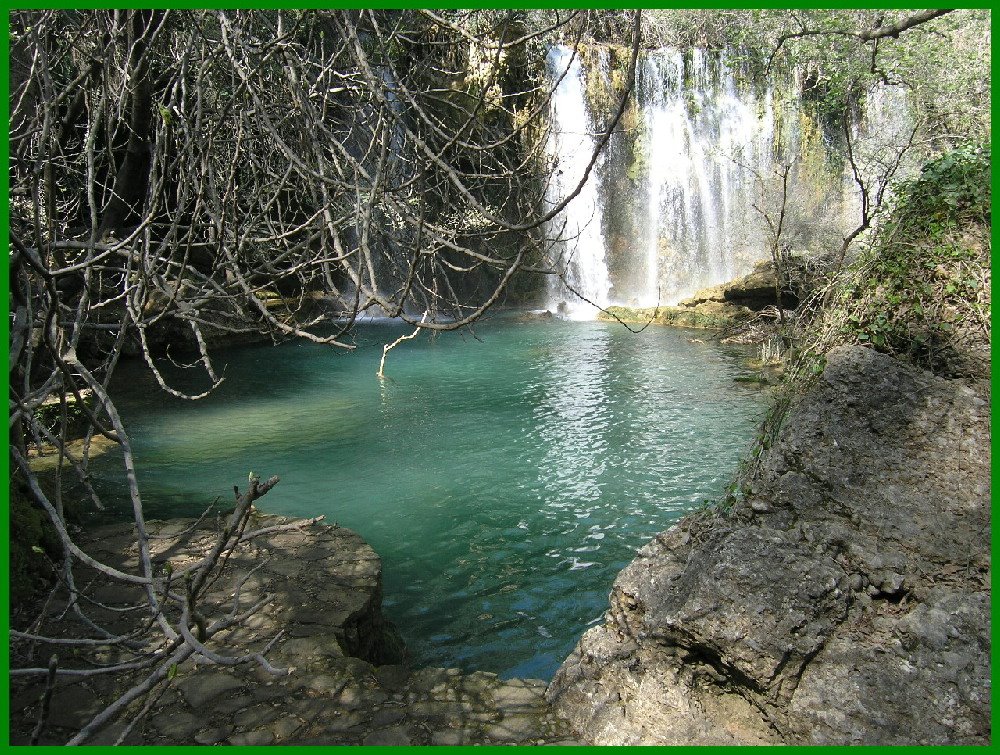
504,478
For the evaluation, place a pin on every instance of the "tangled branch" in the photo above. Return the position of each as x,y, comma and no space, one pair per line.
180,177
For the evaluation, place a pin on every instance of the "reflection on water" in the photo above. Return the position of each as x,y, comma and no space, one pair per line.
504,481
571,422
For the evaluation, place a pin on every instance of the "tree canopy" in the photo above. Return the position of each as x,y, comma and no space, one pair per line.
175,175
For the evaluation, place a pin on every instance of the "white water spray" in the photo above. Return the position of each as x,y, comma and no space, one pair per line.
707,147
580,254
699,132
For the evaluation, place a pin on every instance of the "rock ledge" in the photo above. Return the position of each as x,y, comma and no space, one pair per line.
327,586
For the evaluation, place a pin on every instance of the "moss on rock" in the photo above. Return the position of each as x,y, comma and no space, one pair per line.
708,315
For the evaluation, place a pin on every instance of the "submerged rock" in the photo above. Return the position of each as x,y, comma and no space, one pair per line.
844,600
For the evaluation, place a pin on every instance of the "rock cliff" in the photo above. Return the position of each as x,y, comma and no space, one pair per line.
845,599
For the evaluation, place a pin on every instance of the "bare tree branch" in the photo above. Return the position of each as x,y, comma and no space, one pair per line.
882,32
894,30
178,176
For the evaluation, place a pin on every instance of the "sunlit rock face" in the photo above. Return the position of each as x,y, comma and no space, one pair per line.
843,600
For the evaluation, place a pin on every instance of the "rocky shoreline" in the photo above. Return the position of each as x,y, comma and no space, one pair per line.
844,599
725,306
326,584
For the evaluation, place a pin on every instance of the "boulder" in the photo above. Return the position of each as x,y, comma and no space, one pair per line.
325,584
720,307
711,315
754,291
845,599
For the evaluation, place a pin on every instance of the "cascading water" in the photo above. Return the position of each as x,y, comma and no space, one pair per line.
886,126
704,142
580,248
700,141
385,266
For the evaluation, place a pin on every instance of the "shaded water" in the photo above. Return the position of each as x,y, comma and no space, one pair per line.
504,481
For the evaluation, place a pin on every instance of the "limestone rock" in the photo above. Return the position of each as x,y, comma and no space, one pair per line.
718,307
709,315
844,601
753,291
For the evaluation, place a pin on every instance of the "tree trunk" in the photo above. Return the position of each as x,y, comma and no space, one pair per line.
132,179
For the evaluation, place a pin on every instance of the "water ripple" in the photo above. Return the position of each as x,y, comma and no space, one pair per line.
503,482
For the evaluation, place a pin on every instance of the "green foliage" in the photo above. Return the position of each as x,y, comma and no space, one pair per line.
944,64
639,164
921,290
50,414
952,189
911,305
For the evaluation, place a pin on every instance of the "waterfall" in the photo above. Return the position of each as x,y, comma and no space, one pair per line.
704,141
579,248
677,202
386,250
700,140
